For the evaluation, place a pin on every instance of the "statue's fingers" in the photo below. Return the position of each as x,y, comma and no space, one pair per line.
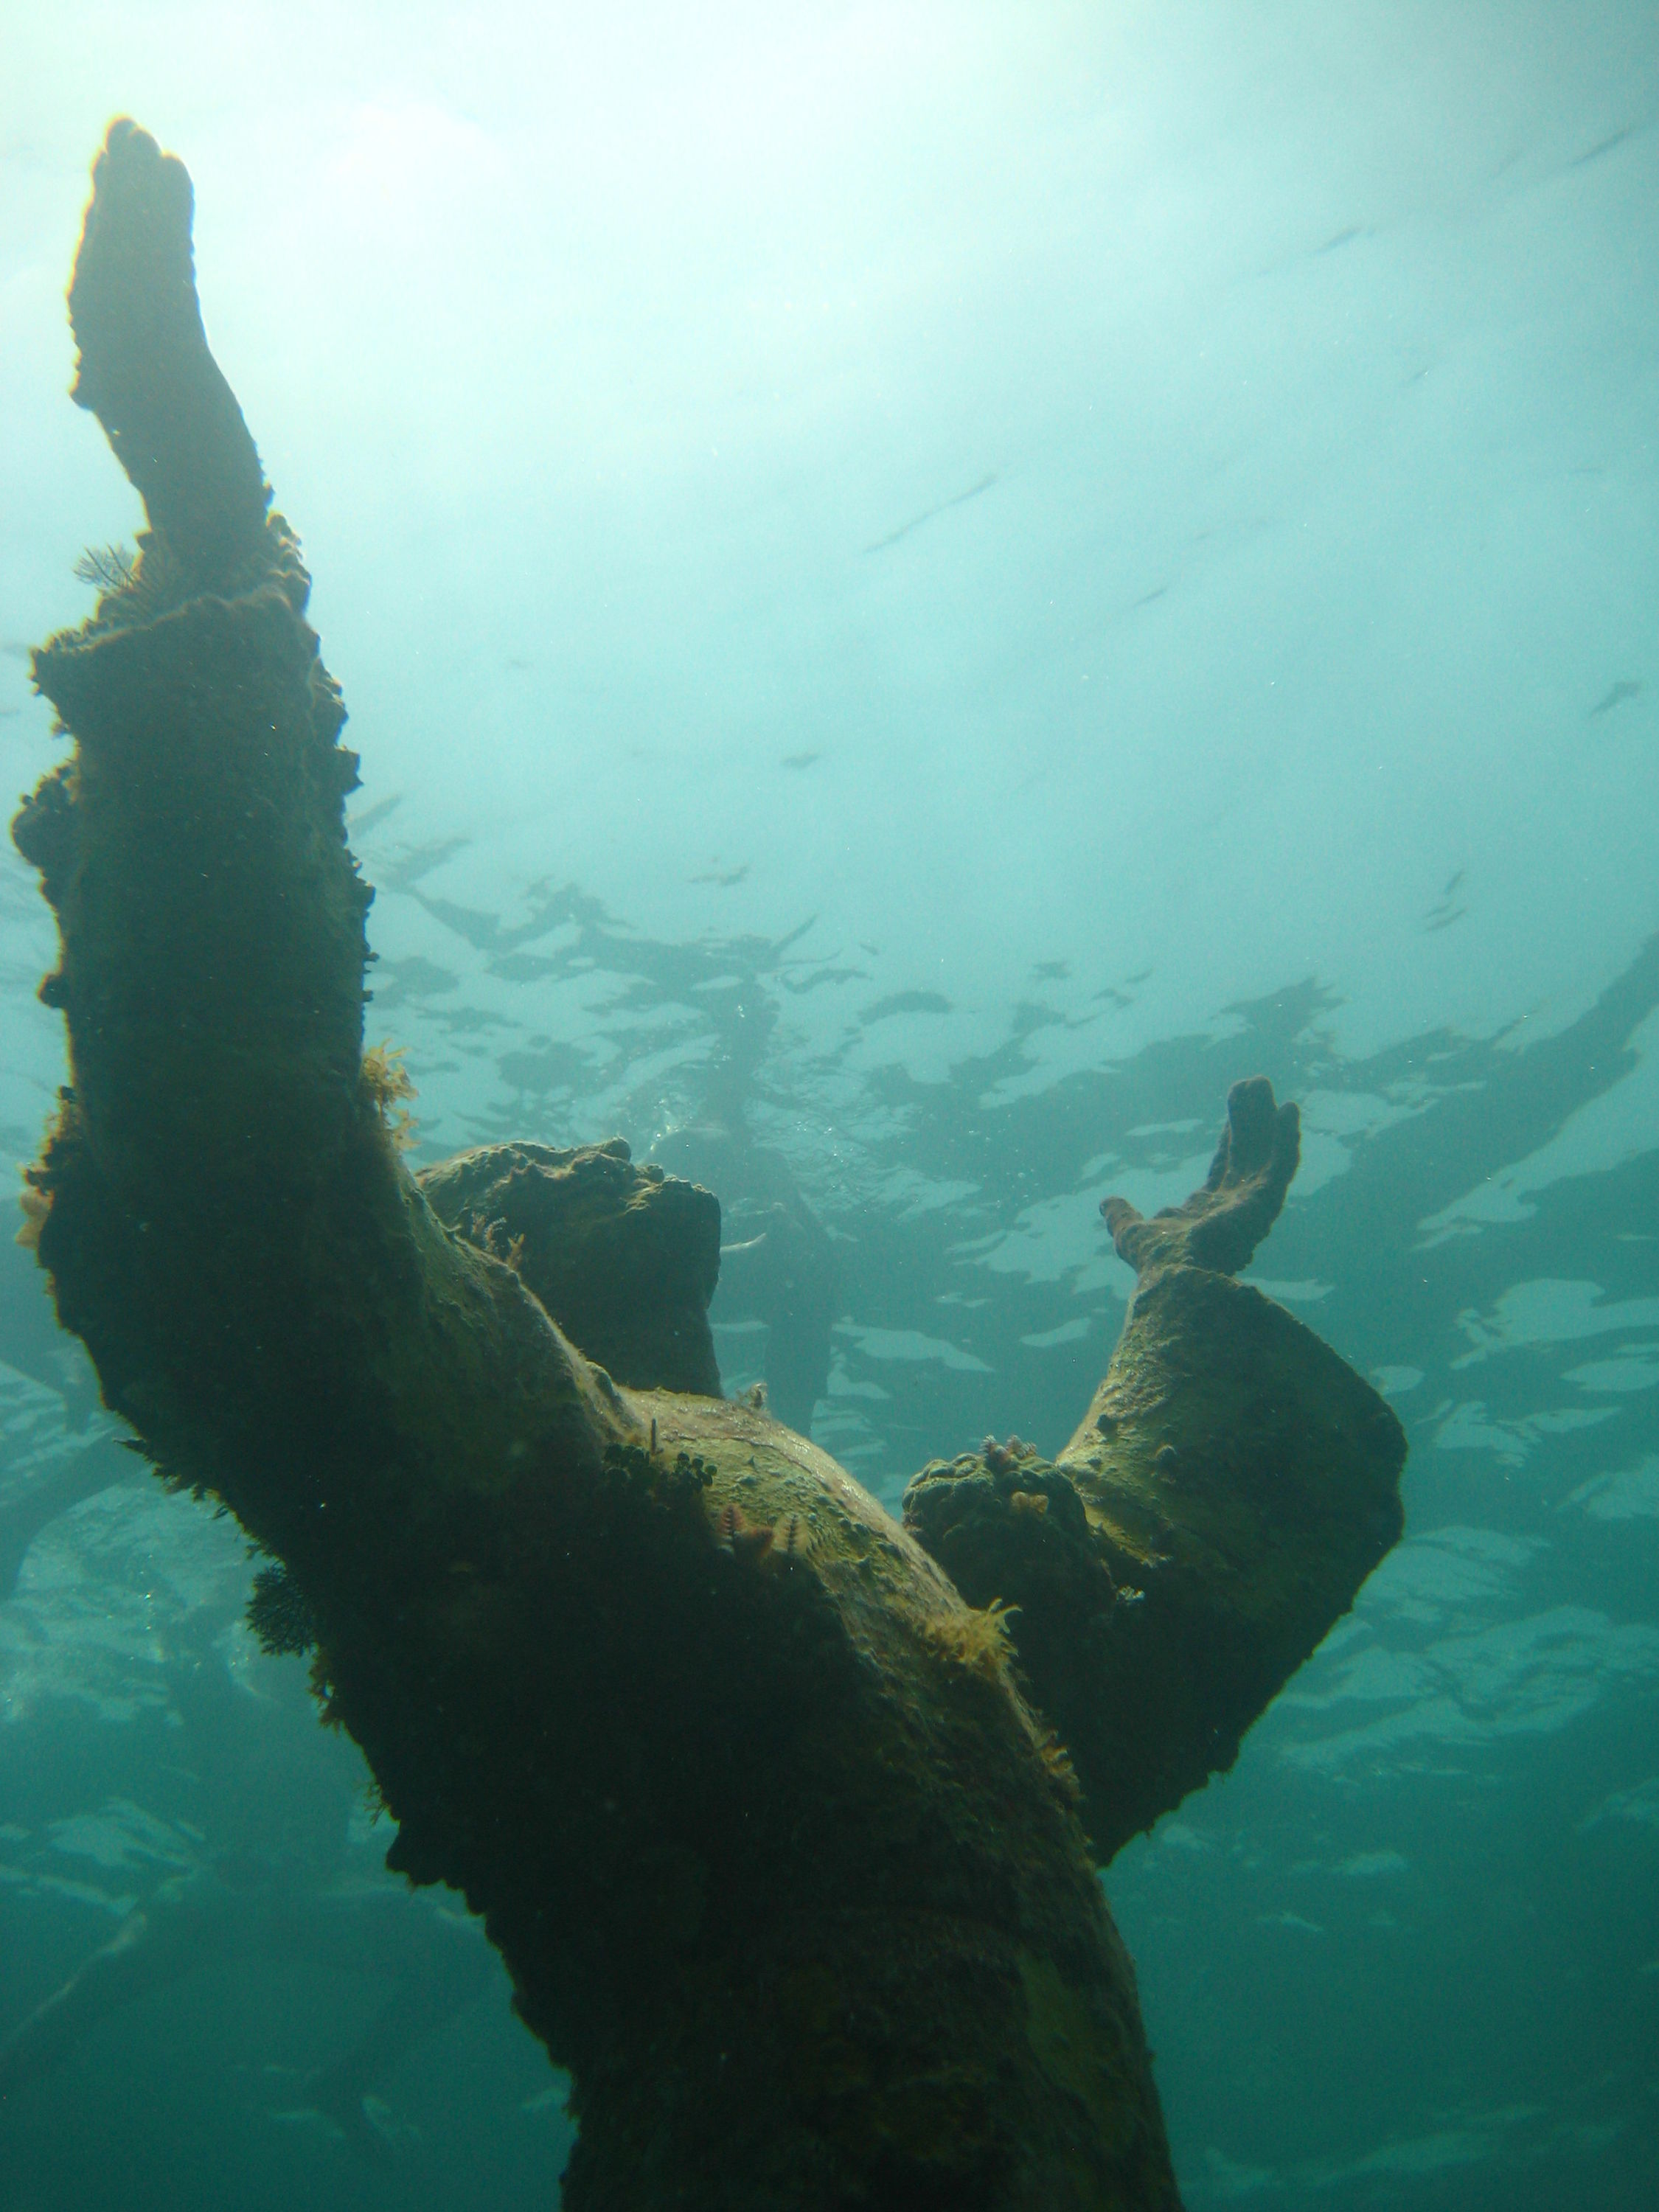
1253,1125
144,369
1219,1166
1287,1145
1271,1177
1226,1238
1131,1231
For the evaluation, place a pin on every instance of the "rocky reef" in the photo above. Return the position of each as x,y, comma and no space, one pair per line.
771,1817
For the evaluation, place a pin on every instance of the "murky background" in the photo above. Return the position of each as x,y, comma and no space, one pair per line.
921,587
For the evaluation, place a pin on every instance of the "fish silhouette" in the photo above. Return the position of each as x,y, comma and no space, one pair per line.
1626,688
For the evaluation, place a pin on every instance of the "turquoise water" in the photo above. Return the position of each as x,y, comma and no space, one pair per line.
920,589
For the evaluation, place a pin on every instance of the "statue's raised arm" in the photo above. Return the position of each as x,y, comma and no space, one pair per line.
1230,1488
783,1859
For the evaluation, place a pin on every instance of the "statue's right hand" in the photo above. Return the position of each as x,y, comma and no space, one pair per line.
1220,1225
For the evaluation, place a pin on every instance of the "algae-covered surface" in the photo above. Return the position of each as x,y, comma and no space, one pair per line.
918,598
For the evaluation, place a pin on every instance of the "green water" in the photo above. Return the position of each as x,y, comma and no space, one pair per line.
920,589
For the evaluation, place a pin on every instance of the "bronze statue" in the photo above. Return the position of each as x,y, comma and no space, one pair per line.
785,1821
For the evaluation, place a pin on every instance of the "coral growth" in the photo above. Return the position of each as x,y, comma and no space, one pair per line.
387,1087
278,1615
978,1639
111,567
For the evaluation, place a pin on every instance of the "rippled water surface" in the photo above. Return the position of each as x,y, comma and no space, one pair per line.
921,588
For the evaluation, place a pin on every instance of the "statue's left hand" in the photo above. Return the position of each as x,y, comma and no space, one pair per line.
1219,1226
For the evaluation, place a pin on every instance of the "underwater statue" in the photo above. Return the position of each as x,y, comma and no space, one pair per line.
787,1818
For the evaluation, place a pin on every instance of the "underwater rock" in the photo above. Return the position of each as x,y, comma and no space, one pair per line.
784,1865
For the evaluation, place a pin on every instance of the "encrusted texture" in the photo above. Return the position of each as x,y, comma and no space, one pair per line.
625,1259
1230,1488
145,370
783,1865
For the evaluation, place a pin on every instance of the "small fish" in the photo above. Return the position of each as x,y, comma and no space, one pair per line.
1604,146
1442,915
1627,687
945,506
